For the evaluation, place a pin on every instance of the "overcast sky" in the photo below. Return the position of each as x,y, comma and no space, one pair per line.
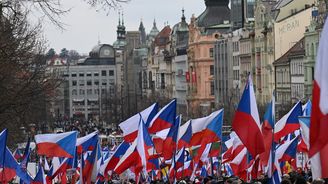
85,25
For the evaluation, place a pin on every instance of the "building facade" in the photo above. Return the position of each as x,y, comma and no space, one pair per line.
179,42
203,33
92,83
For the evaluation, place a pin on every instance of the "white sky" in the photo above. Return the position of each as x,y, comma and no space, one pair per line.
84,25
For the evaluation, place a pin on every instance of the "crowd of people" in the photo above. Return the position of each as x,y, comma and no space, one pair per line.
86,127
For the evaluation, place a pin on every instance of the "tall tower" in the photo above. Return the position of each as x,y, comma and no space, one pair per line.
142,33
120,41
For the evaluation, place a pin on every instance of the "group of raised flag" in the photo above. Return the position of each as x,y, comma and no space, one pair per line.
158,146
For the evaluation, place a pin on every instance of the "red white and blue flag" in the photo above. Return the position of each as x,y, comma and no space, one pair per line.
267,130
307,108
130,158
288,123
305,130
145,146
170,143
40,177
115,158
130,126
246,122
185,134
56,145
10,169
3,143
87,142
319,116
164,119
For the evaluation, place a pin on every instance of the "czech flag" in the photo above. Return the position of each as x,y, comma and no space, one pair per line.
56,145
164,119
130,126
40,177
170,143
246,122
10,169
87,143
115,158
307,108
305,130
319,116
288,123
17,154
129,159
268,129
145,146
185,134
3,141
90,167
213,130
239,164
291,150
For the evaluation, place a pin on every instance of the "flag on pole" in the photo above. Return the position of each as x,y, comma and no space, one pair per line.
11,168
185,134
170,143
87,142
267,130
115,158
164,119
145,146
40,177
305,130
246,122
319,115
130,126
56,145
3,143
288,123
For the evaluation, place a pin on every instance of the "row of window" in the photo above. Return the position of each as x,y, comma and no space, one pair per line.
96,74
296,68
236,75
235,46
235,60
92,91
89,82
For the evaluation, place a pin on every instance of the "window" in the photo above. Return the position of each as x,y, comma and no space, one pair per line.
74,83
89,74
73,74
211,53
103,91
89,91
111,72
103,73
96,91
74,92
81,91
81,82
96,74
81,74
211,69
96,82
212,88
104,82
89,83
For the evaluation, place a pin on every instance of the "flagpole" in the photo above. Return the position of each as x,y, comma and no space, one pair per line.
4,157
272,140
175,148
219,161
212,170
